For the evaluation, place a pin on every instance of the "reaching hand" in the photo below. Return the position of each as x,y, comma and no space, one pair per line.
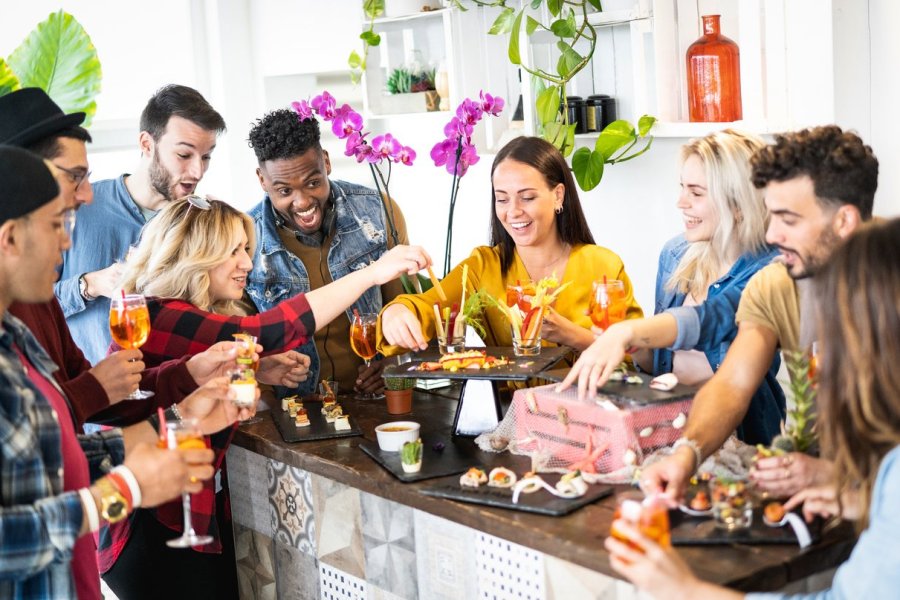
597,363
288,369
213,406
369,379
214,362
119,373
784,476
105,281
164,474
400,327
560,330
398,260
670,475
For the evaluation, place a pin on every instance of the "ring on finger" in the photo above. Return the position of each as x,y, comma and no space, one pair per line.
193,479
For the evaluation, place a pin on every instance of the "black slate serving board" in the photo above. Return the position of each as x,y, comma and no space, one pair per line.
458,455
702,531
319,428
540,502
625,394
519,367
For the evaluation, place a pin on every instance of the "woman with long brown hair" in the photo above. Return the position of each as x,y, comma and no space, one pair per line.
859,424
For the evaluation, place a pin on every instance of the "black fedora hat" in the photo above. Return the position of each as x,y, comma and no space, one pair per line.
29,115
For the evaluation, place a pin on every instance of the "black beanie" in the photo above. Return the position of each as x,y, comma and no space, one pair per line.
26,184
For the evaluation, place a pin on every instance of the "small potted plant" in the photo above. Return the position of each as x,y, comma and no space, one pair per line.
398,393
411,456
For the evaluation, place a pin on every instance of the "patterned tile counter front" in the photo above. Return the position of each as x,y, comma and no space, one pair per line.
322,520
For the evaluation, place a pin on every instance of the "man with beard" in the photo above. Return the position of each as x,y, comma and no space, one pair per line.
178,134
819,187
312,230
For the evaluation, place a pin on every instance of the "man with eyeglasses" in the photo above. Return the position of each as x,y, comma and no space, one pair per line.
179,131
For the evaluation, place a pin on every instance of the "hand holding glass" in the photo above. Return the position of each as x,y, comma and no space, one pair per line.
185,435
129,325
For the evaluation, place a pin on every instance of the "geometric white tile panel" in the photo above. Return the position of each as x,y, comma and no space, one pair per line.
373,592
507,571
444,558
335,584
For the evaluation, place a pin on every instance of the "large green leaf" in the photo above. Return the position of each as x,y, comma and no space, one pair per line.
588,168
596,4
59,57
370,37
504,22
614,136
373,8
531,25
562,28
644,124
514,56
8,80
547,104
554,6
568,59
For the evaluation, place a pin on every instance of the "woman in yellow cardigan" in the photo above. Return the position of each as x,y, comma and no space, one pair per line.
537,230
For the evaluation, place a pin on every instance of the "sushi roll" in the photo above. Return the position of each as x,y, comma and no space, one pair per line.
474,477
502,477
572,484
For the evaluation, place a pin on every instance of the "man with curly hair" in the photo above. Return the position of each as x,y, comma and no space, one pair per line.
312,230
178,134
819,188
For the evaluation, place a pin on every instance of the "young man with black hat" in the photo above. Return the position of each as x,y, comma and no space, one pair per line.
47,501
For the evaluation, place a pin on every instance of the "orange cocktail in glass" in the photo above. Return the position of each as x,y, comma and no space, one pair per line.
608,304
186,435
521,294
362,342
650,515
129,325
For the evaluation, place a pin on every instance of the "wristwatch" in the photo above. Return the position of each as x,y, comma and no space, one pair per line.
113,505
82,289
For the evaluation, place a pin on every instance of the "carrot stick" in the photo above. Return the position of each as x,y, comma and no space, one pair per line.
438,325
437,285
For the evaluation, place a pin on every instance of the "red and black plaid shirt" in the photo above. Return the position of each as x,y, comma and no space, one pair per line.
178,329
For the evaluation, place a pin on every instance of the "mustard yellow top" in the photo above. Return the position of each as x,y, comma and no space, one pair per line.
587,263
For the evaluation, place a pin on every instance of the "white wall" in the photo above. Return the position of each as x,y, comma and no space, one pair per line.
249,57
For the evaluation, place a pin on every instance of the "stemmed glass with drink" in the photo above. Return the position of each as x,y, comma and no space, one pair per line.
129,324
362,342
185,435
608,304
649,514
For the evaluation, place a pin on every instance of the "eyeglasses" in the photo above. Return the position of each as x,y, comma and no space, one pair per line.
68,222
200,202
76,176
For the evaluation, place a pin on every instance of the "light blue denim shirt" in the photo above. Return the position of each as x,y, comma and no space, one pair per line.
103,232
873,569
710,328
359,239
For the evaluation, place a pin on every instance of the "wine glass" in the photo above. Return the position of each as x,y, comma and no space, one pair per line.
186,435
129,324
362,342
608,305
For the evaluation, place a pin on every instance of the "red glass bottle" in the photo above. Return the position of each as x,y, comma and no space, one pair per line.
714,76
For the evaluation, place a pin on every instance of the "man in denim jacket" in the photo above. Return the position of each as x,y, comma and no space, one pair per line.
310,231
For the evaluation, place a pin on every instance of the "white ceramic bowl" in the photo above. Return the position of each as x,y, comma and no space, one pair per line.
392,436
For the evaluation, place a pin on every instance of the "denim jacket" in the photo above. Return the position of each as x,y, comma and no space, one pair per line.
710,328
359,239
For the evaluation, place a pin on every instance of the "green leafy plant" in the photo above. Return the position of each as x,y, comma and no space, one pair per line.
620,141
372,9
399,383
399,81
58,57
411,452
799,435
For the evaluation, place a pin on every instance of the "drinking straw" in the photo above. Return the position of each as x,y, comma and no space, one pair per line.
460,323
438,325
162,424
606,308
437,285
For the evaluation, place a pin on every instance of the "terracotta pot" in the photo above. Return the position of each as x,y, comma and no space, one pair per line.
399,402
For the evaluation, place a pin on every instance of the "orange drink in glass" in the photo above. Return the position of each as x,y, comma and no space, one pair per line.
129,325
246,346
186,435
649,514
521,293
608,304
362,342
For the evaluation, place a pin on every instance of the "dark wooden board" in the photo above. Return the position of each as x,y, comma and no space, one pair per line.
702,531
519,368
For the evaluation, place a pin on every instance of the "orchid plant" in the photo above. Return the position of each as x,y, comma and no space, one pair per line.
457,153
380,154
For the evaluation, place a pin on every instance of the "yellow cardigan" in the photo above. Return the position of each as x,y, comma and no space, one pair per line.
587,263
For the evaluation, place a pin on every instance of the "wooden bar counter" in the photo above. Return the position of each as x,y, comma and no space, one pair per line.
322,519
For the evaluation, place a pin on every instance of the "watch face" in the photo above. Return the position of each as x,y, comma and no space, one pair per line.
113,509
